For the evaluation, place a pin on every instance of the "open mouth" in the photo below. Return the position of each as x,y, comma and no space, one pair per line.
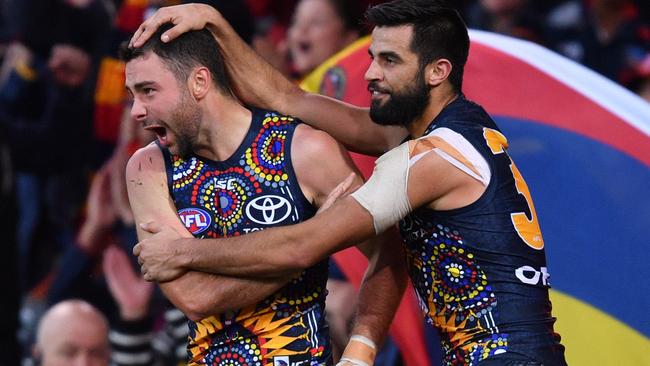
159,131
304,46
377,92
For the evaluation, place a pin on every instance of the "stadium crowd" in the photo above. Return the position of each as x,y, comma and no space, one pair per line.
66,135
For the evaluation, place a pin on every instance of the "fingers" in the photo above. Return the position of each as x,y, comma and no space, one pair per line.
136,251
151,227
175,31
151,25
346,184
148,28
147,277
338,192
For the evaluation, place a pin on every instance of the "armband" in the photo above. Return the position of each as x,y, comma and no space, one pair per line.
384,194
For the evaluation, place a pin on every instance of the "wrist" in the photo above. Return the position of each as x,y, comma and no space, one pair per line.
215,22
89,236
133,314
360,351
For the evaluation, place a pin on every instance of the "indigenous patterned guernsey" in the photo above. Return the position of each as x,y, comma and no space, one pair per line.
480,271
254,189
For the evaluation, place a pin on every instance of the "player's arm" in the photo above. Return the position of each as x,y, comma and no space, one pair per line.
381,291
258,83
320,163
394,189
196,294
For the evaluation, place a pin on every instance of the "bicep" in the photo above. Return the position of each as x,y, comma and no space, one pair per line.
436,183
149,197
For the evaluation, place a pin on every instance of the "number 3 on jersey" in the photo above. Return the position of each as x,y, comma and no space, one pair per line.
528,229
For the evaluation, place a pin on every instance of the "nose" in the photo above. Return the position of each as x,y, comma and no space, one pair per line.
373,72
138,111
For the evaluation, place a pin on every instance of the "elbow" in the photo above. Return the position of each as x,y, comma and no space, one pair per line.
195,310
194,307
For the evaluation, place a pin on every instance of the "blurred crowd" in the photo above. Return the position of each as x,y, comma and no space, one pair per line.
66,134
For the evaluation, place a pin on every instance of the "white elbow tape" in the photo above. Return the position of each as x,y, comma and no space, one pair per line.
384,194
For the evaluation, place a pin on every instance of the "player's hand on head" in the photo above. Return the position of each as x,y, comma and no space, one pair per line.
185,17
159,255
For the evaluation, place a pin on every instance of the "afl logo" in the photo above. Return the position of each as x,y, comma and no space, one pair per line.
268,210
195,219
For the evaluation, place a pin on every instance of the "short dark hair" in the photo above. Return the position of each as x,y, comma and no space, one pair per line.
350,13
438,31
184,53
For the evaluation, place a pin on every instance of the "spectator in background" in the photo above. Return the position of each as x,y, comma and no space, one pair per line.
72,333
516,18
130,303
321,28
45,111
318,30
608,36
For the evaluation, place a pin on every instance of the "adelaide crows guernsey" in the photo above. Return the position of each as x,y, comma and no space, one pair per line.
480,271
254,189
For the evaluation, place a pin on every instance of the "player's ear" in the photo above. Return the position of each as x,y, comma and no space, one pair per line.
437,72
199,82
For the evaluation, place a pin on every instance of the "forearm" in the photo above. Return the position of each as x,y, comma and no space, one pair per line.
257,83
382,288
282,250
200,295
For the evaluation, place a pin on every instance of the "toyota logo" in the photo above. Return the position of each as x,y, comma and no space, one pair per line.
268,210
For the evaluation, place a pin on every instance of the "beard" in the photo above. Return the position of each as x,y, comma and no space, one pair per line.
402,107
187,115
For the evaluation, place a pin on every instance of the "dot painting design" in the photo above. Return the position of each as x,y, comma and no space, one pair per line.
288,321
265,158
452,289
242,352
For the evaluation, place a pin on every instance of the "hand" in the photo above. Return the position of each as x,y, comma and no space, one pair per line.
100,214
131,292
185,18
340,191
119,195
100,211
159,254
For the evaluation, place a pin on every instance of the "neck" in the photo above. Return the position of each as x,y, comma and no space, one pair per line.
224,126
438,100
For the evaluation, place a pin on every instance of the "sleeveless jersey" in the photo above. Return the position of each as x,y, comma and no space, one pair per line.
254,189
480,271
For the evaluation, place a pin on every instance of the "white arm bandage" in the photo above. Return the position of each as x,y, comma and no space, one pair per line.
384,194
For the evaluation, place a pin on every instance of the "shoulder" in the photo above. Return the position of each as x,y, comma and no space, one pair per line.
320,163
315,144
146,162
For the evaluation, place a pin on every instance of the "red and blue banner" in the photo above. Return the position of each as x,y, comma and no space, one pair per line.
583,144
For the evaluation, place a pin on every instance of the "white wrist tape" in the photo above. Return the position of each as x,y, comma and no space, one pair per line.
351,361
365,340
360,351
384,194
